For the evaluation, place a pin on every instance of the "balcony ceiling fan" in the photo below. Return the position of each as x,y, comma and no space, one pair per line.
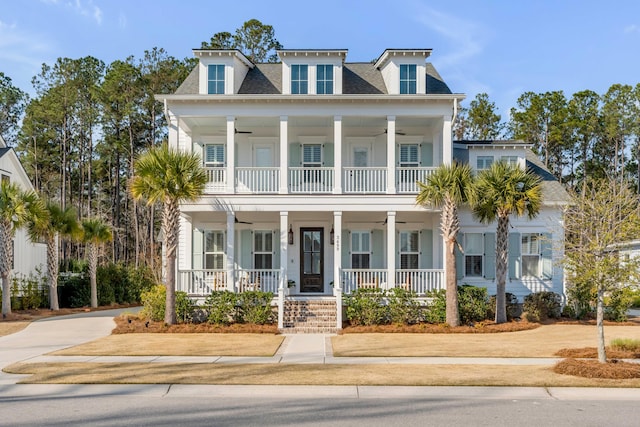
386,131
386,219
235,130
237,221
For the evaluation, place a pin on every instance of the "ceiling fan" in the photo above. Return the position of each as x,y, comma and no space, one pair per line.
235,130
386,131
386,219
237,221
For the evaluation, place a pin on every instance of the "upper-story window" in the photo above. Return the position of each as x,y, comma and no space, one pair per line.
324,79
215,82
299,79
214,155
409,155
484,162
408,78
510,160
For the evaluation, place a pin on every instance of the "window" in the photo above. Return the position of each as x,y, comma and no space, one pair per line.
409,160
360,157
360,249
409,251
473,254
312,158
262,250
214,155
324,79
6,179
530,254
510,160
299,79
408,78
484,162
214,249
215,84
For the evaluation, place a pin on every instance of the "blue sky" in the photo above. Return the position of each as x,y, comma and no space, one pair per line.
503,48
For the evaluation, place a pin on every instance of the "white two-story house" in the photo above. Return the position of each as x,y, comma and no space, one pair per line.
312,166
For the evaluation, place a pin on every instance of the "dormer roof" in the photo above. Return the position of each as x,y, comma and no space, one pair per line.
391,53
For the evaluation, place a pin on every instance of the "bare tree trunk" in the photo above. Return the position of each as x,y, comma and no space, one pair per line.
52,271
502,238
602,355
92,251
6,263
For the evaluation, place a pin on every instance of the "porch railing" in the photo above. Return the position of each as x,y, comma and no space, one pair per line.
257,180
407,178
353,279
201,282
364,180
257,280
311,180
216,179
420,281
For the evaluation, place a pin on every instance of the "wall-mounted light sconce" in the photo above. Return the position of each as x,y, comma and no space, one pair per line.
290,235
332,235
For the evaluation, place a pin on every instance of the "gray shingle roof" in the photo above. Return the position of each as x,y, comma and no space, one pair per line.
4,150
552,191
358,78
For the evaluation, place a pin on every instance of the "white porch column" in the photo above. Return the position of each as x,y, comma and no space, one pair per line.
337,265
391,250
447,141
173,130
284,258
337,154
284,155
231,245
391,154
231,154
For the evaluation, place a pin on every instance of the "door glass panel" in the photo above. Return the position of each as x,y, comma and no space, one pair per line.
360,157
263,157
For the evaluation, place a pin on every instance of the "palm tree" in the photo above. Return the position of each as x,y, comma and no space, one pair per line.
95,233
503,190
169,176
17,208
449,187
60,223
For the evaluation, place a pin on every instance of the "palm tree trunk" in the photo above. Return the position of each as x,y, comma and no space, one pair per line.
502,238
52,271
602,355
450,225
170,226
93,267
6,261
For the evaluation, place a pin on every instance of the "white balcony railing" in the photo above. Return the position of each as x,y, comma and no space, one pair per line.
257,180
364,180
407,178
216,179
353,279
311,180
420,281
201,282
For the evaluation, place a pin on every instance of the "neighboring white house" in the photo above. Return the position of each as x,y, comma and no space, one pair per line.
312,166
27,256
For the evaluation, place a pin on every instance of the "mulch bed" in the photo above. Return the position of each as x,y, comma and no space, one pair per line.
133,325
592,353
589,368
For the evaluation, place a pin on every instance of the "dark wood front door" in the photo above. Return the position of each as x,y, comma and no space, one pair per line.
311,260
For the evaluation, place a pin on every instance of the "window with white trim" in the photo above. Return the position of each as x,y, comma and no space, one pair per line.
408,78
299,79
324,79
360,249
409,155
214,155
530,252
484,162
215,79
263,249
473,254
510,160
409,250
214,246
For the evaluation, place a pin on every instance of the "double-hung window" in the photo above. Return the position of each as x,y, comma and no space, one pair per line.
409,250
214,159
215,82
311,158
214,249
530,254
473,254
484,162
360,249
408,78
263,249
324,79
299,79
510,160
408,162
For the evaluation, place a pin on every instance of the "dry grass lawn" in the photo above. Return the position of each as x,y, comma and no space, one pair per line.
178,345
8,328
544,341
287,374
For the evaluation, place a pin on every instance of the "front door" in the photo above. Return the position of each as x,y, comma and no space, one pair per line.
311,260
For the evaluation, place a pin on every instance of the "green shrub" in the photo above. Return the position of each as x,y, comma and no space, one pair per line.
74,290
436,311
185,307
403,307
29,292
222,307
153,303
617,304
625,344
541,306
365,307
255,307
141,279
581,300
513,308
473,304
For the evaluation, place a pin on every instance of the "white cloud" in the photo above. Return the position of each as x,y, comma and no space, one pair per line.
633,28
122,21
82,7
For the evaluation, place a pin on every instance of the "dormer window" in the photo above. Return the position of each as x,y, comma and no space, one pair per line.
324,79
215,82
299,79
408,78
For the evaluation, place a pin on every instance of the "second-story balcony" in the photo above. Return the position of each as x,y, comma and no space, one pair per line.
316,180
